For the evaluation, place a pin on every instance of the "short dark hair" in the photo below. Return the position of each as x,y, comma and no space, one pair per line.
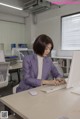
40,44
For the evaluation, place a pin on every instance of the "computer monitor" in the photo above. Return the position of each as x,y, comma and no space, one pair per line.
74,75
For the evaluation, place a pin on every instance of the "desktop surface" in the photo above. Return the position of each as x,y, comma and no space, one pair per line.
43,105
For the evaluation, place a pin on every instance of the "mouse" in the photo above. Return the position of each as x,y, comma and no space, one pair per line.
33,92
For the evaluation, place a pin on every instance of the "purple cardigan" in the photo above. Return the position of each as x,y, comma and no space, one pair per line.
30,72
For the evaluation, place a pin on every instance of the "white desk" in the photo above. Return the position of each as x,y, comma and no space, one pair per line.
44,106
18,65
61,57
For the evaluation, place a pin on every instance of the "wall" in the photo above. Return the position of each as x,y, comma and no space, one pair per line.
11,18
50,24
30,30
12,30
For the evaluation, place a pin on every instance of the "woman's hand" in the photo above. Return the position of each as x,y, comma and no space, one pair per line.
53,82
61,80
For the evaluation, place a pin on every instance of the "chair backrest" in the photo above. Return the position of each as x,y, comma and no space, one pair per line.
14,88
2,57
4,71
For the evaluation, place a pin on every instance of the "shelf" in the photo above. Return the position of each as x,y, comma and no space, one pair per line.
64,62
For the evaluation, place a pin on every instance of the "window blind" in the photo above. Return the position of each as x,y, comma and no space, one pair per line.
71,32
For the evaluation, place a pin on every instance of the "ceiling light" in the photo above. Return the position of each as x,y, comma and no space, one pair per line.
18,8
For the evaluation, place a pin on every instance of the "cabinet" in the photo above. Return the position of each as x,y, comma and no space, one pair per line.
64,62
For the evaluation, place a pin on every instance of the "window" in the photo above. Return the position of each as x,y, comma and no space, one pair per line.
71,32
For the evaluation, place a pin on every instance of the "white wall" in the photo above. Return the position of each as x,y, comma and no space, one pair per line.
30,30
48,27
11,33
49,23
11,18
12,30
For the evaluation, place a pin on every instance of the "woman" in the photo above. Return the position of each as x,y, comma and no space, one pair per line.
38,67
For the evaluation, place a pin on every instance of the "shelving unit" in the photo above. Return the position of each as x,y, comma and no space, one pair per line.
64,62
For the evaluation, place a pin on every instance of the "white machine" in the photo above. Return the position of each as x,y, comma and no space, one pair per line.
20,52
74,75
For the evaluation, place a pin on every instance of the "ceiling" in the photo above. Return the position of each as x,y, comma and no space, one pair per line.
32,6
29,6
61,2
7,10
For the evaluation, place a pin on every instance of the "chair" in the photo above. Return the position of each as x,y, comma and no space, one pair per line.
14,88
2,57
4,74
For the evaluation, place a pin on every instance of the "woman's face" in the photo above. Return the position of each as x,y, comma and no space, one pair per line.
47,50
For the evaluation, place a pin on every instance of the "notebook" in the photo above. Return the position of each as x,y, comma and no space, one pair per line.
73,79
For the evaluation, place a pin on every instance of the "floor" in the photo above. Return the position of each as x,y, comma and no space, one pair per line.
6,91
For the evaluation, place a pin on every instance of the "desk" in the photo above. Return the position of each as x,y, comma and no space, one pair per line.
15,68
44,106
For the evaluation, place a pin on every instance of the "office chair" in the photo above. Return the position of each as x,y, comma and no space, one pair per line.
2,57
3,70
14,88
4,74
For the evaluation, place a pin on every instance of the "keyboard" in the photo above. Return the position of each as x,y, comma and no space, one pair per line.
50,89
